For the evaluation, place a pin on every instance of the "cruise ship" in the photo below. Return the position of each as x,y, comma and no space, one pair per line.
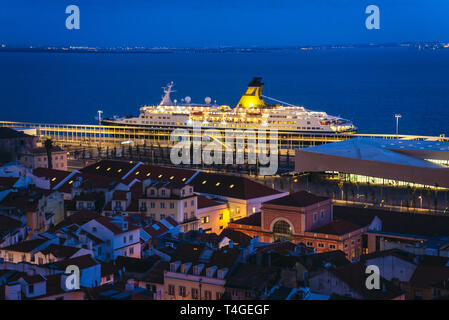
251,112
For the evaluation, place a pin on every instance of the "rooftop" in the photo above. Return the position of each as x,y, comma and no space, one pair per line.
298,199
405,152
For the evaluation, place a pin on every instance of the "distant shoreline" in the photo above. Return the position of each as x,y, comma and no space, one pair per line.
437,45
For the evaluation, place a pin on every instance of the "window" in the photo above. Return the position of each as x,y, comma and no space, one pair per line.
182,291
130,237
172,205
163,192
31,288
94,229
185,204
254,209
207,295
332,246
220,217
282,227
162,205
124,239
131,250
322,215
195,293
205,219
152,205
162,216
315,217
40,261
171,290
218,295
192,202
320,245
309,244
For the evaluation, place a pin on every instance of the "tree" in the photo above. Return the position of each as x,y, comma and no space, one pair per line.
48,144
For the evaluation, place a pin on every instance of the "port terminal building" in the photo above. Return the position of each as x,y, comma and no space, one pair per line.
394,162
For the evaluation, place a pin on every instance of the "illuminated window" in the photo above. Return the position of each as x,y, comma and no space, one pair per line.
148,174
159,176
204,181
231,186
282,227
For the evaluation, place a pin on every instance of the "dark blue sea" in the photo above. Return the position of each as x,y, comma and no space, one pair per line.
367,86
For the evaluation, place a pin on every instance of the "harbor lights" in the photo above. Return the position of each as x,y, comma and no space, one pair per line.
397,116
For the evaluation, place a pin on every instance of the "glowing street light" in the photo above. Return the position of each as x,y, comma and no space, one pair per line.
397,116
99,116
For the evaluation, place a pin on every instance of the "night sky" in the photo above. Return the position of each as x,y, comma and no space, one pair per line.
201,23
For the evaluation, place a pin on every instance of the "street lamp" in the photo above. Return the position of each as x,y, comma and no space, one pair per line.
397,116
99,116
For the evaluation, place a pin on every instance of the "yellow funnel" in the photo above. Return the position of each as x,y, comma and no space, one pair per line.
252,98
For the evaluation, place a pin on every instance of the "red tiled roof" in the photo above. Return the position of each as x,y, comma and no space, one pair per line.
26,246
171,221
205,202
109,168
144,172
337,227
156,229
297,199
354,275
230,186
119,195
253,220
60,251
79,218
81,262
239,238
55,176
107,223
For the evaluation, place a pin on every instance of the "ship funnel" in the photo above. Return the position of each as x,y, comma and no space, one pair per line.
252,98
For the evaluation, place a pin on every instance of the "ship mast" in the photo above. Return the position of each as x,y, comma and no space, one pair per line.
166,101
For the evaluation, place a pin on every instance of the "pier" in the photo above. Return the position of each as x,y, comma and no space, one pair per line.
94,135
